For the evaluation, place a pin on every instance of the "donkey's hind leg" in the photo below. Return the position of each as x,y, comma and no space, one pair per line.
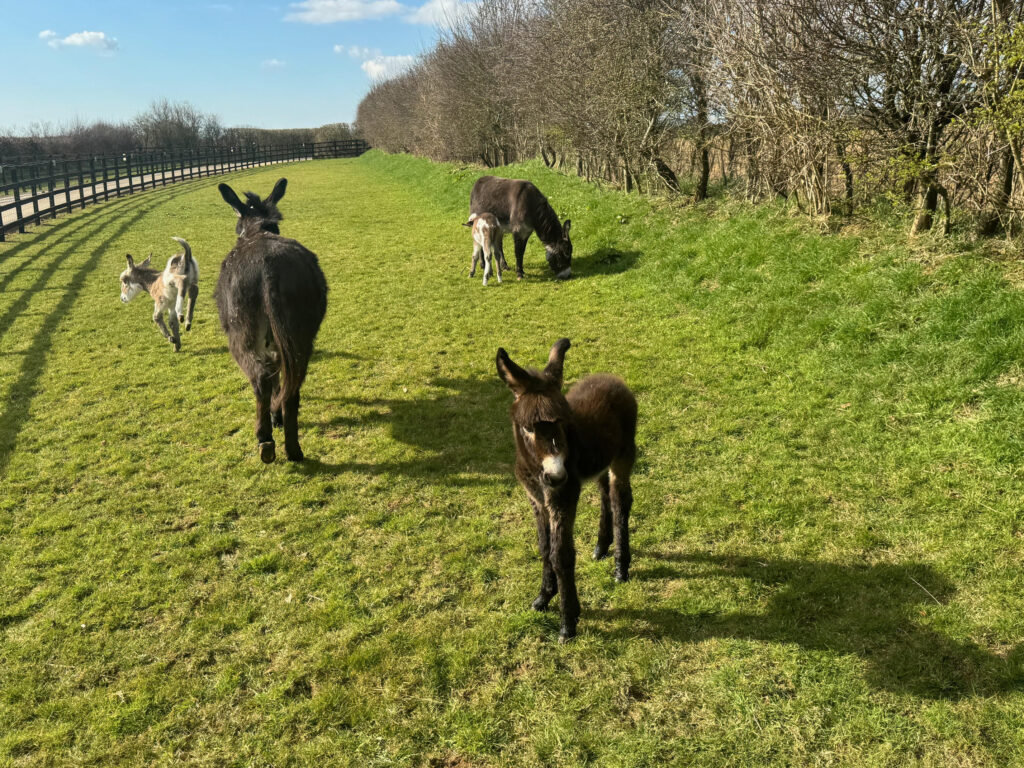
497,262
604,530
291,429
193,294
276,417
477,255
263,388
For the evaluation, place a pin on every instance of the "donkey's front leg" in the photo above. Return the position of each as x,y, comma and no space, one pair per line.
499,247
158,318
175,332
563,557
520,252
548,581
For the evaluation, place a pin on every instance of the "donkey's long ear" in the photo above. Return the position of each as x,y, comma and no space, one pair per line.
565,228
278,192
555,360
131,261
148,260
514,376
231,198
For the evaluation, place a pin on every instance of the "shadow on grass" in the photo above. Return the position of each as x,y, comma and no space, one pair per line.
460,435
606,260
16,407
875,612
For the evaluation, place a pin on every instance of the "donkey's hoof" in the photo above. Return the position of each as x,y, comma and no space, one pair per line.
181,319
294,454
566,634
276,419
267,453
600,552
188,326
621,575
541,603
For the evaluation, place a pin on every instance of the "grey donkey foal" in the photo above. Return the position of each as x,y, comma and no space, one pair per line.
169,289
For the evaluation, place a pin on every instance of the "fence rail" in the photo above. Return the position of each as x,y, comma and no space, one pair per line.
42,189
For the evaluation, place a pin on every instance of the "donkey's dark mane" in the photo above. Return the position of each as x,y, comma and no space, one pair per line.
145,275
546,223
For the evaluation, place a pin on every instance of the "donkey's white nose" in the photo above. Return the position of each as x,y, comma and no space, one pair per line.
565,274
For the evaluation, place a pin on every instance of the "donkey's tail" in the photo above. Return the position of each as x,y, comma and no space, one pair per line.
292,359
187,256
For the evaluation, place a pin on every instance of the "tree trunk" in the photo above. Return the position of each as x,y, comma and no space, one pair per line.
991,221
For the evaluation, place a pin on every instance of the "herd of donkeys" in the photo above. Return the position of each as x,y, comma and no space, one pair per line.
272,296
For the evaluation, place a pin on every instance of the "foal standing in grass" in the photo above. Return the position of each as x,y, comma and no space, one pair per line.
486,243
560,443
271,297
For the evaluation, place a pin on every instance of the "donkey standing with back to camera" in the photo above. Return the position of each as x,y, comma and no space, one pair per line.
561,442
271,297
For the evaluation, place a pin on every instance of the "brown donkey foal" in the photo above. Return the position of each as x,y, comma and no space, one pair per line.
271,297
560,443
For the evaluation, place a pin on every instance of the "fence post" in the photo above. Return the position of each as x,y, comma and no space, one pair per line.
53,183
17,201
67,185
81,184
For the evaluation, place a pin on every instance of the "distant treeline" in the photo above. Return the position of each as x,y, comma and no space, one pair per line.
830,103
165,124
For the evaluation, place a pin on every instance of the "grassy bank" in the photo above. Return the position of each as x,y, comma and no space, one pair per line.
827,525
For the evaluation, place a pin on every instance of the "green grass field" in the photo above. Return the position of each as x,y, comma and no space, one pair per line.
827,528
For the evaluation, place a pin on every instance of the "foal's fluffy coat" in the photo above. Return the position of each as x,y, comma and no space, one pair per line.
169,289
486,243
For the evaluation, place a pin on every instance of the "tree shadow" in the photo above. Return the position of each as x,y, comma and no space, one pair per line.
460,434
875,612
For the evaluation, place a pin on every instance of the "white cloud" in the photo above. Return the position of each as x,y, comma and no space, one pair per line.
385,67
358,51
79,40
331,11
441,13
272,64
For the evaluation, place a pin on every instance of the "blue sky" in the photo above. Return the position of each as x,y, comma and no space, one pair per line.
273,65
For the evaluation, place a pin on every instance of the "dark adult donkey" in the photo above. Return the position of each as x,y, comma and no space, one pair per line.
560,443
522,210
271,296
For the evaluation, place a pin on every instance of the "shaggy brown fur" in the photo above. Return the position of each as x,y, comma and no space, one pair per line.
560,443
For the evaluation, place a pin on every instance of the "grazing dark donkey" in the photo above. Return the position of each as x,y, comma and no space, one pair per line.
271,297
522,210
560,443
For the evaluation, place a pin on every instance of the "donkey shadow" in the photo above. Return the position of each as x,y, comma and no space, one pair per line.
606,260
872,611
460,434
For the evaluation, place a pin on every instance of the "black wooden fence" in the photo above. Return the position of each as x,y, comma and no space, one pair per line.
33,190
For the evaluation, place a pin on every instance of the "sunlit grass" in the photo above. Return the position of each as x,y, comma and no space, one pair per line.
827,525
